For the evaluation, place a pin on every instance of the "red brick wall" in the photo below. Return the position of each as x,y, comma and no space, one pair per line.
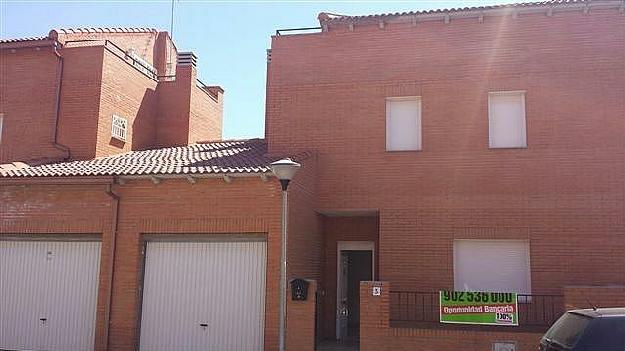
53,209
165,55
565,193
186,114
28,85
205,116
301,321
211,206
130,94
305,253
376,333
80,100
581,297
95,85
416,246
173,108
305,237
144,43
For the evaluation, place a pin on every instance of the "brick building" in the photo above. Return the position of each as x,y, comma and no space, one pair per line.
476,149
464,149
62,93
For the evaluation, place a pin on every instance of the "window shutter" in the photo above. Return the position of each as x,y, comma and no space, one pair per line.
506,114
119,128
492,265
403,124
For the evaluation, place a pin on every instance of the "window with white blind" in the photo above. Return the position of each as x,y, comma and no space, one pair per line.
506,119
492,265
403,123
119,128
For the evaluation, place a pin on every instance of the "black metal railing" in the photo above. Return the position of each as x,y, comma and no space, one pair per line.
535,310
539,310
142,67
279,32
414,306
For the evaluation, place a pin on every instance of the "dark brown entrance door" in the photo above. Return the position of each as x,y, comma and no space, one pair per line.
357,266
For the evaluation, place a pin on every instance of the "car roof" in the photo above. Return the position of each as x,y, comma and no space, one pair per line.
601,312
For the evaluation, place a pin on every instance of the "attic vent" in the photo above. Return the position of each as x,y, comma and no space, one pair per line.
119,128
187,59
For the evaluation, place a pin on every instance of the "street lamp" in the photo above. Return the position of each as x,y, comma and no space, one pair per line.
285,170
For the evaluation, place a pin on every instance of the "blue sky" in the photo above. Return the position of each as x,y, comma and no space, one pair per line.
229,37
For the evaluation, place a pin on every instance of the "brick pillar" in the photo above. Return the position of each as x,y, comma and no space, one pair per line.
578,296
160,53
374,315
300,321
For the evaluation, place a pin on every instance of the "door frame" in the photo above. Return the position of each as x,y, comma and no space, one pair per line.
350,246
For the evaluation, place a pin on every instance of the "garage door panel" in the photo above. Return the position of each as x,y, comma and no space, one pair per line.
76,272
49,291
220,284
17,312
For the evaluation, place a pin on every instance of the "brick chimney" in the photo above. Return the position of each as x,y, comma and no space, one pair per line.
163,50
186,67
174,103
184,115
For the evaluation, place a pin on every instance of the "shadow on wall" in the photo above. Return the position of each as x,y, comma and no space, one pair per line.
117,143
143,127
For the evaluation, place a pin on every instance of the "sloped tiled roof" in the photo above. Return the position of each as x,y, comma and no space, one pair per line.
222,157
17,40
86,30
329,17
52,35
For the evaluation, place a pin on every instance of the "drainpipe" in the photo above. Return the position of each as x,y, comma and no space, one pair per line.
114,221
57,107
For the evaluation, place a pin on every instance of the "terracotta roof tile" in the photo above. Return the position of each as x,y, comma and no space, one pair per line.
105,30
17,40
53,34
329,17
221,157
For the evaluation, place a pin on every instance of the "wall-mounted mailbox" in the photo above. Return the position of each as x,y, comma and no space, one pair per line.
299,289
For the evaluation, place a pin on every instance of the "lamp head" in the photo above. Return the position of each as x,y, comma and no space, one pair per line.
285,170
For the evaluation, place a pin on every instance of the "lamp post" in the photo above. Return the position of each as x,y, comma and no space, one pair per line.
285,170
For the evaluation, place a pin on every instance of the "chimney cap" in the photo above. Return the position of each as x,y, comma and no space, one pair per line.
187,59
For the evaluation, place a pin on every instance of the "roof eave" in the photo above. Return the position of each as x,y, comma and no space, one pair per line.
517,9
197,175
74,180
111,179
27,43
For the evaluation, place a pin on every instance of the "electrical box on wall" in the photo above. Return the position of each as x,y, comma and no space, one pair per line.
504,346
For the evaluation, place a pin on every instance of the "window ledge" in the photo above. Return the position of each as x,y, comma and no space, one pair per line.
508,148
402,151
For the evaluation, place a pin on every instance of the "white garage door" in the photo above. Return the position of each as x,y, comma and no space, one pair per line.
48,293
204,296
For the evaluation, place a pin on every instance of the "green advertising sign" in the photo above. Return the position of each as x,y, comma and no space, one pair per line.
472,307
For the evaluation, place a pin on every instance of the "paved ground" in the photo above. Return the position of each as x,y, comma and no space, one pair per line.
330,345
